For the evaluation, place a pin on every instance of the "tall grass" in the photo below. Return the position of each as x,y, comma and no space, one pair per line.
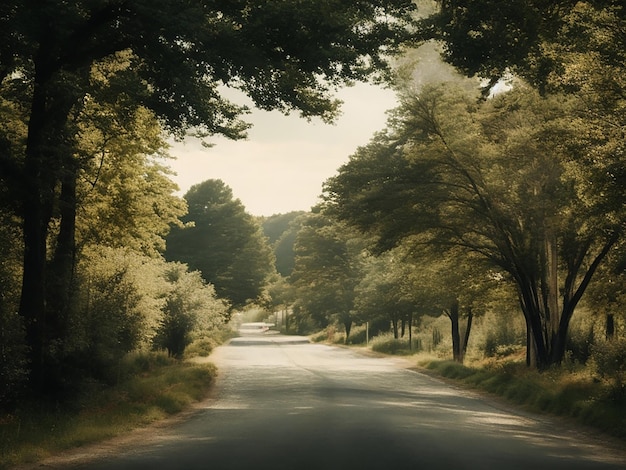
151,386
387,344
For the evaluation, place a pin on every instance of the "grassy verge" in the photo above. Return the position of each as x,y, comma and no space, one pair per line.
593,395
575,394
151,387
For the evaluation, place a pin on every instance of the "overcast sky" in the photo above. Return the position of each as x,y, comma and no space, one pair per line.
283,163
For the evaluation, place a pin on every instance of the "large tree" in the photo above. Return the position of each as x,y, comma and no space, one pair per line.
175,55
222,241
503,179
562,44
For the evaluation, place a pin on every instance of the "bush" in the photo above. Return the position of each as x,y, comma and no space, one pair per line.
610,361
357,336
580,344
502,337
387,344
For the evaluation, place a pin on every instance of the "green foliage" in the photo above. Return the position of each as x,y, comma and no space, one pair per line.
503,336
222,241
13,352
126,301
326,272
125,194
610,360
387,344
281,231
151,387
108,317
13,359
189,305
580,344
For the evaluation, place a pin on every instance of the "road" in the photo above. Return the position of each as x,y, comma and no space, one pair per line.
280,404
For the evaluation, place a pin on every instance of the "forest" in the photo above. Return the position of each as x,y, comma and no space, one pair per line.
496,197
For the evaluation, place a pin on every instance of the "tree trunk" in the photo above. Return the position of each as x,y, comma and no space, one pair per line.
402,327
61,269
466,336
37,211
453,315
348,326
609,329
45,149
394,322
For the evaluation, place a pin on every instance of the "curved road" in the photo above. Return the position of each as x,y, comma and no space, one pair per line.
281,404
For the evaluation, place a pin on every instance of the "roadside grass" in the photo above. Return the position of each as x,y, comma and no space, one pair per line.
387,344
574,392
151,387
204,345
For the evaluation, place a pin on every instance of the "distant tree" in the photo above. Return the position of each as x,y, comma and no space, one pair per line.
326,271
276,225
385,293
222,241
282,231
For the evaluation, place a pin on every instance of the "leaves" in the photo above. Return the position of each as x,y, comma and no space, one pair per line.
222,241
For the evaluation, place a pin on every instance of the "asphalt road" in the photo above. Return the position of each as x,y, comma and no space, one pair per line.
281,404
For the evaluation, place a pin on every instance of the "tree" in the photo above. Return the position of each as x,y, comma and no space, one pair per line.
281,231
119,196
125,195
326,271
498,179
222,241
175,54
386,292
190,304
549,44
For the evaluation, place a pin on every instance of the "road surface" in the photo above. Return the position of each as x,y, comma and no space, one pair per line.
280,404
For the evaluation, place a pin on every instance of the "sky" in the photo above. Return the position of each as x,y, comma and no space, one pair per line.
281,166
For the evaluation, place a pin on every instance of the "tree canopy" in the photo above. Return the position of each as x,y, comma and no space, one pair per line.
502,179
222,241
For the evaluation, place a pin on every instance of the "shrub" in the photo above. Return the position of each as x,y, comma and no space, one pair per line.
610,361
387,344
501,337
357,335
580,344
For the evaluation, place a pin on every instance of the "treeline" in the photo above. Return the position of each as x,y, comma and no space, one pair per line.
480,196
